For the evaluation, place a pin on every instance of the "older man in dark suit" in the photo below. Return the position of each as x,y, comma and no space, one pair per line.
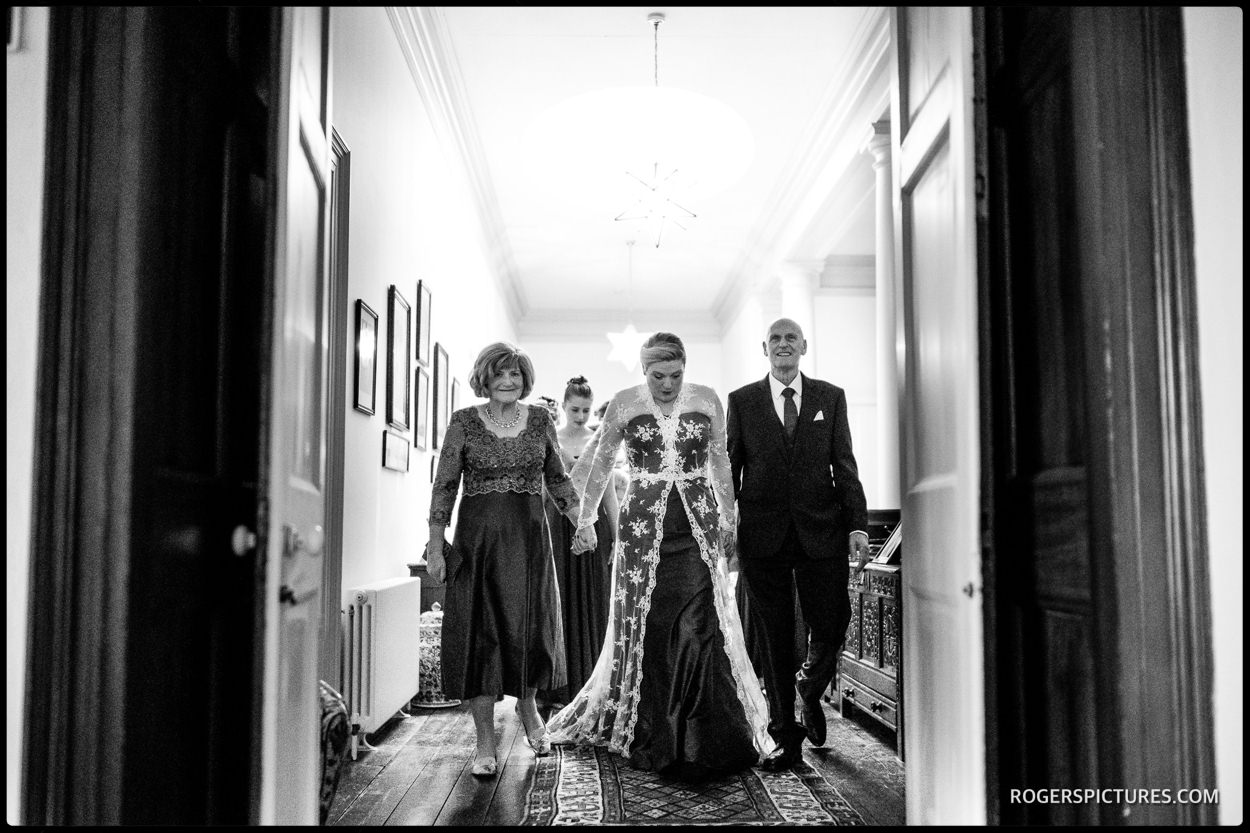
801,513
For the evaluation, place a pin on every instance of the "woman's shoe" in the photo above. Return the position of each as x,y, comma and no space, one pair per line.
538,740
485,766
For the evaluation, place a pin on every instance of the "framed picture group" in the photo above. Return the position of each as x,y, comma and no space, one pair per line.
420,391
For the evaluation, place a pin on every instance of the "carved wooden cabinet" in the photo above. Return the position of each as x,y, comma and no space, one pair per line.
870,677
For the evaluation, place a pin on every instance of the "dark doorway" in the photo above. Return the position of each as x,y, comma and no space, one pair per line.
1096,554
142,698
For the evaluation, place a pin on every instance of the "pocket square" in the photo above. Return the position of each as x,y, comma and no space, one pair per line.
820,416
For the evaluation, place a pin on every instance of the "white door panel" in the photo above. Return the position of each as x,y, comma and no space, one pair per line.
296,431
943,633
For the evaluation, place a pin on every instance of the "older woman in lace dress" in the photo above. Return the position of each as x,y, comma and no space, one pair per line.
673,689
501,626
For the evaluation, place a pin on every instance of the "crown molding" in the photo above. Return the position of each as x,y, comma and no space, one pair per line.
426,47
857,95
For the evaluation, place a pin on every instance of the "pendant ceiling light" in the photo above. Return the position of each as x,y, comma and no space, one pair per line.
655,206
642,156
627,343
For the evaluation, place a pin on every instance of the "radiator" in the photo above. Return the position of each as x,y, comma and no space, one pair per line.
382,661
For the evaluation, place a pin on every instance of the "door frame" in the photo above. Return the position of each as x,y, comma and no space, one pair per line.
339,373
92,522
1146,472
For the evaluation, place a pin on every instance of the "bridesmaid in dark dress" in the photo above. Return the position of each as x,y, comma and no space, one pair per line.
583,579
501,624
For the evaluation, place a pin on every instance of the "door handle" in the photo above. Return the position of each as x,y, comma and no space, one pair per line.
242,540
287,595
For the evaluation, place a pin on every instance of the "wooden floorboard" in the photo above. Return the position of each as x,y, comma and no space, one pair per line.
420,772
471,797
445,747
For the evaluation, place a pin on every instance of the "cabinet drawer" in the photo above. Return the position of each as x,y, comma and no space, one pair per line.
882,708
861,673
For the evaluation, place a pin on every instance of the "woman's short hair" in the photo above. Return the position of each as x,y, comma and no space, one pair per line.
496,358
662,347
577,386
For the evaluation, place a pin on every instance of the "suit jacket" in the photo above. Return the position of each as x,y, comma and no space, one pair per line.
814,482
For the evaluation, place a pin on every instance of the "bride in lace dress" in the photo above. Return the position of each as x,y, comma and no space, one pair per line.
673,690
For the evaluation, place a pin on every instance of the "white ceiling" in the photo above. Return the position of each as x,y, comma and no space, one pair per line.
773,66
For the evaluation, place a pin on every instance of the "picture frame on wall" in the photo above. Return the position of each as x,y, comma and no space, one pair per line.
395,449
423,323
442,395
421,406
365,398
455,395
399,348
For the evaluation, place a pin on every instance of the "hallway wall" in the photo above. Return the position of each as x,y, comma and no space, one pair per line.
846,355
561,351
1213,45
411,218
25,81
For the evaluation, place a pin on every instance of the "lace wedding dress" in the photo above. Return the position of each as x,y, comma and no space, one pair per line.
673,689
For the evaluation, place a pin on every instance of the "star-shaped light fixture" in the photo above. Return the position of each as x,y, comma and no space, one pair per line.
627,343
656,207
626,346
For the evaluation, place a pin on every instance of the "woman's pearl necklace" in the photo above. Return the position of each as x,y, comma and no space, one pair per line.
499,423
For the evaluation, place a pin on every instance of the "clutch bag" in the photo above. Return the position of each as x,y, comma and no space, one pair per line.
450,556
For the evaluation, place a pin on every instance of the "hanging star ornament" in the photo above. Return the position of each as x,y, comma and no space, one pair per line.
626,345
656,205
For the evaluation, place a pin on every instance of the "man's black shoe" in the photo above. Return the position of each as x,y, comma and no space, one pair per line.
782,758
813,720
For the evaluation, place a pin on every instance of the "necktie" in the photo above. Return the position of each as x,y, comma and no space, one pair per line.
790,413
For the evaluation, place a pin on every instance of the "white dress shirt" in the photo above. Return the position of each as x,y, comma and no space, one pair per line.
779,401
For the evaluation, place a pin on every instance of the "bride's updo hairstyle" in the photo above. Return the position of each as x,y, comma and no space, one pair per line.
662,347
577,386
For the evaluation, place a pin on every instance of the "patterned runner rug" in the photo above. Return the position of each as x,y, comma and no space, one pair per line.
577,785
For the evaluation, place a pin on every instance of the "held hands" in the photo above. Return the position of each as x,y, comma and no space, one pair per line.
729,548
585,540
435,563
859,551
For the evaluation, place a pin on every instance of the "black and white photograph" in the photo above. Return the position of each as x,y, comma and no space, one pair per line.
441,397
399,348
422,407
366,368
833,416
424,304
395,451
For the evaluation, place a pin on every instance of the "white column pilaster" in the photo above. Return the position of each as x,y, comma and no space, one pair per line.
888,497
799,280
